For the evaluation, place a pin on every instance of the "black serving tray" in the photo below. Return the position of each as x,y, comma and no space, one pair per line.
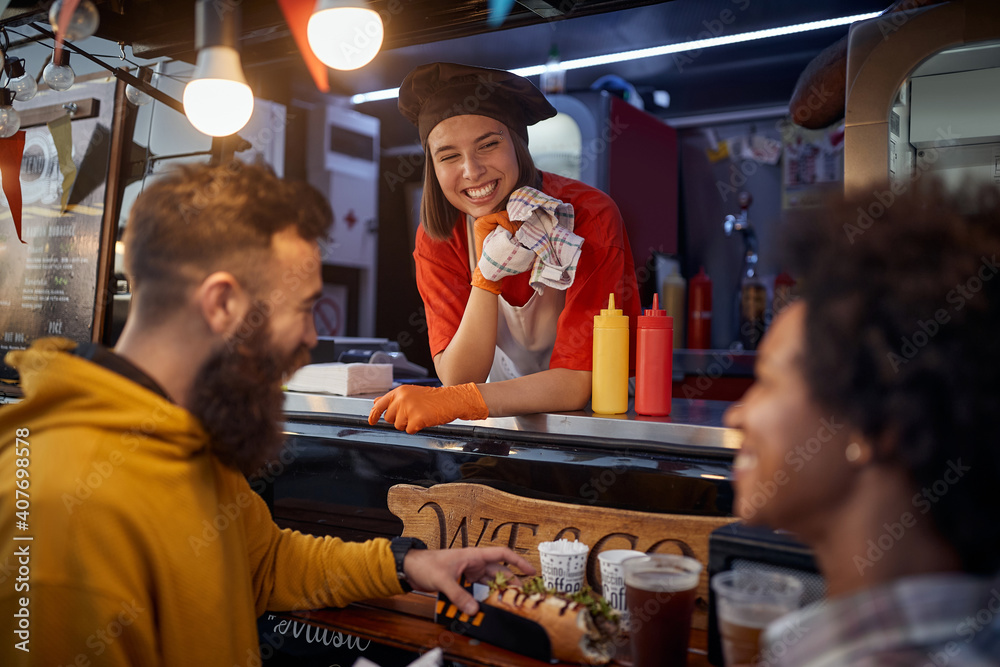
495,626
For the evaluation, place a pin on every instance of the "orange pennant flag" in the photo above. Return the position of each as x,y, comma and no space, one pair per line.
11,152
297,13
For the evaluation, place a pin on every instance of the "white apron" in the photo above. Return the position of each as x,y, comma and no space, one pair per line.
525,334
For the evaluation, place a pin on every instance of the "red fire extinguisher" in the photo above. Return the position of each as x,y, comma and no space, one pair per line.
700,311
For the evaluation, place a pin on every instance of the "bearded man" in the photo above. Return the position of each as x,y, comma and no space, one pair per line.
128,455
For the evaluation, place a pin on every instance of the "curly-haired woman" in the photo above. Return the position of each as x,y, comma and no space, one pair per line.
874,420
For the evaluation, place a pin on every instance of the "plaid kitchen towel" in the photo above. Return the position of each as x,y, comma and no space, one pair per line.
544,243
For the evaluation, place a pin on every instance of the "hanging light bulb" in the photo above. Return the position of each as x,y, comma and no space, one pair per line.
82,22
218,101
345,34
59,76
22,85
10,120
136,96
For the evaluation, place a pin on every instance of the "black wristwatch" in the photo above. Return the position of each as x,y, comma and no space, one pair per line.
400,546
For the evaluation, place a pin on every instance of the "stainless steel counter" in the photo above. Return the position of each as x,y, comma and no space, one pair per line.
692,425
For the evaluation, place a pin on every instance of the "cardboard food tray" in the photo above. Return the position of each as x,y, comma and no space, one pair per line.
496,626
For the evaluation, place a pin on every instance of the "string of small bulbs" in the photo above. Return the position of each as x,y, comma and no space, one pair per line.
343,34
77,22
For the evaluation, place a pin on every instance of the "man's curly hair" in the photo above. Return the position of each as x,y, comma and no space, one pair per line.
197,219
902,338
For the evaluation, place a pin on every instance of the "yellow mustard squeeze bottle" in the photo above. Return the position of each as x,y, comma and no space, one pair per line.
610,377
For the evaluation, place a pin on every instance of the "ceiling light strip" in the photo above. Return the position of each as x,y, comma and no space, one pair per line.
666,49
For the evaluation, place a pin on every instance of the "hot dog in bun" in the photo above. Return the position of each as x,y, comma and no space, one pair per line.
581,626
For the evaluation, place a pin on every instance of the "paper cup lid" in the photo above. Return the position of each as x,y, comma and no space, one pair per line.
563,548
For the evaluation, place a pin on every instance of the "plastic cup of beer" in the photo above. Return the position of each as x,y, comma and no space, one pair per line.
746,601
660,591
564,565
613,579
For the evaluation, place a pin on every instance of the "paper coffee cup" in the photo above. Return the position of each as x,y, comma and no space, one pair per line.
564,565
613,579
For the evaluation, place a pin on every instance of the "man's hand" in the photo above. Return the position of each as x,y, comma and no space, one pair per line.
412,407
441,569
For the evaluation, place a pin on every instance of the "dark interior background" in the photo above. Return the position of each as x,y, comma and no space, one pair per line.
745,77
739,76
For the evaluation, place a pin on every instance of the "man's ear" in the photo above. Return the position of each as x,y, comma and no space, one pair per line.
223,302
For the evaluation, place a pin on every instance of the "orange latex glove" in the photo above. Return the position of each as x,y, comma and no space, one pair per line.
412,407
481,229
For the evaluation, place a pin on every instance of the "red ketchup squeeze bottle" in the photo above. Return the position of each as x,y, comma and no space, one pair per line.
700,311
654,361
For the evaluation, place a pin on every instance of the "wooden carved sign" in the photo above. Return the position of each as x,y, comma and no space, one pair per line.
457,515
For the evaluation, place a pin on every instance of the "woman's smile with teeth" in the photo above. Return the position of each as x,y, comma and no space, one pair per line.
484,191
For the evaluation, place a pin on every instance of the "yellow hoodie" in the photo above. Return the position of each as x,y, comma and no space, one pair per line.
144,550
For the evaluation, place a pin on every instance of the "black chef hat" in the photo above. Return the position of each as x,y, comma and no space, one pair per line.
431,93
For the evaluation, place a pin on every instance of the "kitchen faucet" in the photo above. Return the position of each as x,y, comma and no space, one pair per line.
742,224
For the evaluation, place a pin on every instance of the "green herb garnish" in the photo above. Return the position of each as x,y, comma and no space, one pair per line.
499,583
586,596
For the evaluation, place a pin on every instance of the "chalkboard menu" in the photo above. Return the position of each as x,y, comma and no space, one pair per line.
48,284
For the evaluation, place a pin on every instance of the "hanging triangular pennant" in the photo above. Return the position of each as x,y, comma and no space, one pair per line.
62,134
297,13
93,168
11,152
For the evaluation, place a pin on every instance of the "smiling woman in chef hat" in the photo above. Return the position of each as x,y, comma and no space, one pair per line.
512,262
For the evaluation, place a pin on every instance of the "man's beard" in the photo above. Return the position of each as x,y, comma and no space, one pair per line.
237,396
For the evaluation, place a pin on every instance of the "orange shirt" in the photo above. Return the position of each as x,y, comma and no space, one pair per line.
605,266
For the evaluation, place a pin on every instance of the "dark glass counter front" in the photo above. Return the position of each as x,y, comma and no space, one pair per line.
337,469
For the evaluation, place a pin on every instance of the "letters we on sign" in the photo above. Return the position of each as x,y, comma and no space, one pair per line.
459,514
